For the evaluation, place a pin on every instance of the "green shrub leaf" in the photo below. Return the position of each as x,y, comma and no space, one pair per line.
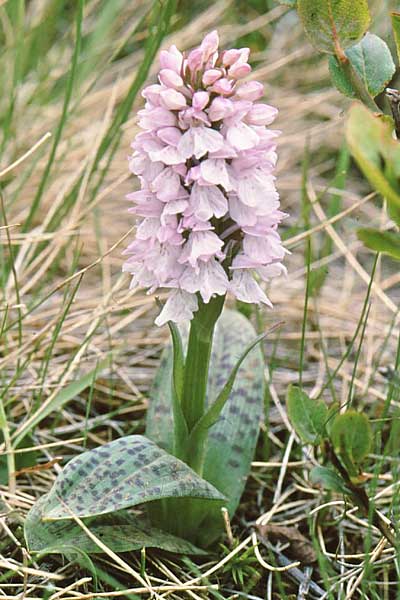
387,242
327,21
373,62
395,16
328,479
351,436
121,532
308,416
121,474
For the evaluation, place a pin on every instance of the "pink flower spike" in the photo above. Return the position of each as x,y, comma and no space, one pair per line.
204,162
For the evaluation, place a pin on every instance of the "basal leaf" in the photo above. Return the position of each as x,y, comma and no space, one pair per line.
373,63
233,438
351,436
396,30
121,474
159,418
327,20
328,479
121,532
387,242
307,415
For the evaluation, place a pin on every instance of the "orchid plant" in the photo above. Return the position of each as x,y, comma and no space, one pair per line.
207,216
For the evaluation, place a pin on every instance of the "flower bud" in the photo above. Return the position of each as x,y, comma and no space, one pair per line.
172,99
239,70
250,90
210,76
170,79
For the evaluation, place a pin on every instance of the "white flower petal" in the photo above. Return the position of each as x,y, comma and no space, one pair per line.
208,200
179,308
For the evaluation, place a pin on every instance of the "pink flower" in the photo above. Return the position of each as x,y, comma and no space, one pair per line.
207,210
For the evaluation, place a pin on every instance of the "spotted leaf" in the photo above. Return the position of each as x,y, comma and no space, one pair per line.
121,474
120,532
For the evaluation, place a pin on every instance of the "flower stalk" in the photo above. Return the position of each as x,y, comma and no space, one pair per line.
198,360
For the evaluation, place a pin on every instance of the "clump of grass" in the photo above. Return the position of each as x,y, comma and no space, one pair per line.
78,351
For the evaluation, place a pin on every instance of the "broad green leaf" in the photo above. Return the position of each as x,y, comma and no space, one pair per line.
387,242
377,153
232,440
325,21
395,16
308,416
351,436
123,473
328,479
373,62
121,532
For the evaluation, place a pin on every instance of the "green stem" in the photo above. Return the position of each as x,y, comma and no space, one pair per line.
360,497
198,360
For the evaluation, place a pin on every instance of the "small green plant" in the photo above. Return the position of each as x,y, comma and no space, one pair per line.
344,440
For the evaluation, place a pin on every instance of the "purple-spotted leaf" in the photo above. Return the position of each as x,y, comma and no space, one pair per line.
123,473
329,23
120,532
